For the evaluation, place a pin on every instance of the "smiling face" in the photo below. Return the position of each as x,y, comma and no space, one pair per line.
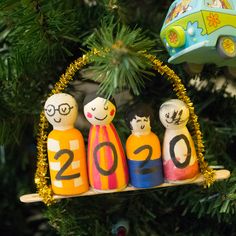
61,111
140,125
99,111
174,114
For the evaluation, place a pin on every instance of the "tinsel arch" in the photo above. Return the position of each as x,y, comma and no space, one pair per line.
41,179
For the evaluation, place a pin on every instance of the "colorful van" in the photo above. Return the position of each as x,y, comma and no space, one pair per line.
201,32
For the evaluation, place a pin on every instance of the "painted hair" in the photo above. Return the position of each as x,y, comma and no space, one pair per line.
141,110
90,97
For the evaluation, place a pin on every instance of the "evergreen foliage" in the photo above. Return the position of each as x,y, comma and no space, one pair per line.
38,40
126,65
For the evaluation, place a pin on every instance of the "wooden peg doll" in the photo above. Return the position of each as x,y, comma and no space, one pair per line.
143,148
65,144
178,154
107,165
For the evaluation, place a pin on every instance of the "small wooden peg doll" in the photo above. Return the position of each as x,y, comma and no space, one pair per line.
143,148
107,165
178,154
65,144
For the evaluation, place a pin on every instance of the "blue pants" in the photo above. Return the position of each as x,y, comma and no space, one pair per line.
146,176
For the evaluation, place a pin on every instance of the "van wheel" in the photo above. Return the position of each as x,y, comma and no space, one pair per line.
193,69
226,47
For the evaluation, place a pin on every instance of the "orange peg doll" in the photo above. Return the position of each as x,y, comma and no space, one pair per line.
143,148
65,144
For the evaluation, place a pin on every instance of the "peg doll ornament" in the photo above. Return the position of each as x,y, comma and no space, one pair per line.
107,165
143,148
65,145
178,154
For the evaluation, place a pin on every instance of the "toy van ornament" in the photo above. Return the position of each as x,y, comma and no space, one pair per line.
200,32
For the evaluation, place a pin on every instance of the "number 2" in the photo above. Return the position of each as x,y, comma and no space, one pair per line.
141,169
59,175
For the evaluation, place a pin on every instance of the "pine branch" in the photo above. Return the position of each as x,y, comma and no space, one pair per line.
120,66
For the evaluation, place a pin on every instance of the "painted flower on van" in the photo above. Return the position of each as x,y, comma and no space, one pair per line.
173,37
213,20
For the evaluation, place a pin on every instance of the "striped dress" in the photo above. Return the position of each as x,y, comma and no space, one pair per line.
107,165
67,162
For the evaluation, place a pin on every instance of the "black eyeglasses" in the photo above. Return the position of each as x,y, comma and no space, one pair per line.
63,109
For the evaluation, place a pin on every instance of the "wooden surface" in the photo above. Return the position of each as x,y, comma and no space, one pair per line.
34,197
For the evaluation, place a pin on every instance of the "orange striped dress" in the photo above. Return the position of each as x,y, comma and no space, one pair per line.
107,165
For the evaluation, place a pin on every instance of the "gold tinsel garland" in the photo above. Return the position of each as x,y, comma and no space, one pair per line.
41,179
178,87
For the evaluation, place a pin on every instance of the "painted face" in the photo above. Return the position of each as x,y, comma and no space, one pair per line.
61,111
99,111
140,125
174,114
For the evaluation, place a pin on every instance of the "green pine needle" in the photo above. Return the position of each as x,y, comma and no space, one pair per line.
122,66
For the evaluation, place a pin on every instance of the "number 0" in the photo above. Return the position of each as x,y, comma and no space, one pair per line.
172,151
115,162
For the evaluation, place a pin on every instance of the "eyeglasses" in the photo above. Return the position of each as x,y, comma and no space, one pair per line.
63,109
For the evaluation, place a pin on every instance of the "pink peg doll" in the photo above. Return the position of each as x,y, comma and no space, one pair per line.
107,166
178,154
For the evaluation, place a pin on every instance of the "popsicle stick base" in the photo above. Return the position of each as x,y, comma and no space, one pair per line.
34,197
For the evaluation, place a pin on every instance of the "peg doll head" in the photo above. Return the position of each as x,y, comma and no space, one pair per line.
139,118
61,111
174,114
98,110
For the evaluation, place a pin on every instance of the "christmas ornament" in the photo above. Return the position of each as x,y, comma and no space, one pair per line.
65,145
143,148
120,228
107,166
193,29
179,154
45,193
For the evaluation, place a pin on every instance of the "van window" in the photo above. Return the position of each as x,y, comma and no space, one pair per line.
222,4
179,8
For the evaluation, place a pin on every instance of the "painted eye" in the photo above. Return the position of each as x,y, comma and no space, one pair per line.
167,115
106,108
50,110
146,120
64,109
93,108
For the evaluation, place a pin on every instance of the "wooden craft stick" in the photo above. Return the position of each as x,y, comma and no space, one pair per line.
34,197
